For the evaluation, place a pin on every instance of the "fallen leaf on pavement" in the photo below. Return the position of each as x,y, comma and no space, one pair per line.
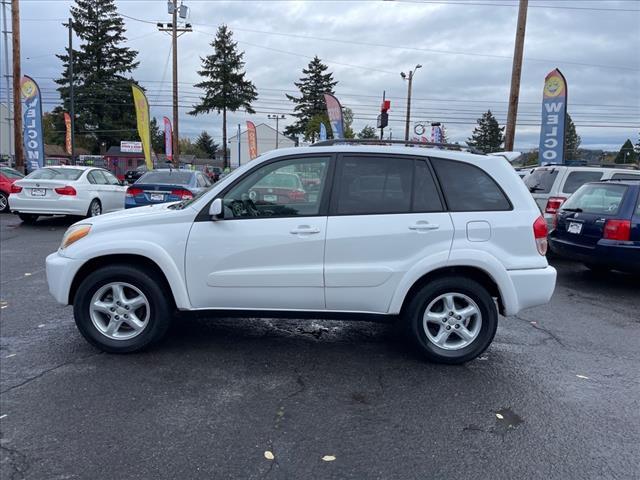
269,455
328,458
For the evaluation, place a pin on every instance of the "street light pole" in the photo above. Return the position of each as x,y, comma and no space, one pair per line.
409,77
277,119
72,113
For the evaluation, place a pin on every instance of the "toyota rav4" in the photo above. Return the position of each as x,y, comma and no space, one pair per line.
440,240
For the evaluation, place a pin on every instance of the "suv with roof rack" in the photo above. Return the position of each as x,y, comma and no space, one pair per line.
552,185
440,239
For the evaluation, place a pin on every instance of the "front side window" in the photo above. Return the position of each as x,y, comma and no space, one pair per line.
287,188
578,178
468,188
374,185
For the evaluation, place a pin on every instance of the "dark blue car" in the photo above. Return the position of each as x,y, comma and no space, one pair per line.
166,185
600,226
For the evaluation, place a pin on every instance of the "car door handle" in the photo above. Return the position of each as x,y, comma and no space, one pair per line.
424,226
305,230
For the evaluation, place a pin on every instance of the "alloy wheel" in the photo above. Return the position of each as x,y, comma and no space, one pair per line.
119,311
452,321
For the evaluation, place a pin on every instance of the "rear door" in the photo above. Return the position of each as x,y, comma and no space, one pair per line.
116,191
386,215
99,188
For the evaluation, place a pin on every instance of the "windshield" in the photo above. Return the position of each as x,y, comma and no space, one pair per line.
541,180
596,198
49,173
10,173
173,177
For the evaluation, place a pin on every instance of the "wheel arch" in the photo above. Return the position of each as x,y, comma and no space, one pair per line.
134,260
475,273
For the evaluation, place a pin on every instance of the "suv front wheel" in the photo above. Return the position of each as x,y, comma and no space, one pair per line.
452,319
121,309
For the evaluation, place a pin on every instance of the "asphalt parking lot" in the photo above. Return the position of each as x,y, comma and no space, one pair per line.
557,395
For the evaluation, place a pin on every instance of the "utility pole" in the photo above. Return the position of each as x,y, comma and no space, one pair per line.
5,33
516,72
17,96
277,118
175,32
72,108
410,79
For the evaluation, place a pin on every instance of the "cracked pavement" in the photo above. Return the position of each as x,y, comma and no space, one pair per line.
556,396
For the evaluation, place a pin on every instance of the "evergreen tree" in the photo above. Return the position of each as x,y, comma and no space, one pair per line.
637,147
313,85
103,98
368,132
487,136
571,140
205,143
187,147
157,136
53,126
627,153
347,119
224,84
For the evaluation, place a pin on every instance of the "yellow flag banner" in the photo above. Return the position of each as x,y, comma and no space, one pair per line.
142,116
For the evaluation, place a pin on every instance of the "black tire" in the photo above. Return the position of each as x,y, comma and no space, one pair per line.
413,318
160,305
598,269
4,203
95,204
28,218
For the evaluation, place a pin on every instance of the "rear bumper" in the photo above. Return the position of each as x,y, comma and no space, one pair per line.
609,253
532,287
60,274
42,206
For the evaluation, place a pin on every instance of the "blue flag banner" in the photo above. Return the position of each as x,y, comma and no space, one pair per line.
323,132
334,110
32,124
554,114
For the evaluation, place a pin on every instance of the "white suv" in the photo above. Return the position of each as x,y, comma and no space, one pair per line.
441,239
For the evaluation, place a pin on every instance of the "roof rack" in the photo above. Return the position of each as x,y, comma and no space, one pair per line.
407,143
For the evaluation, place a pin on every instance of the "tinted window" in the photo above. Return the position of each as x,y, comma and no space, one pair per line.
369,185
576,179
173,177
467,188
51,173
276,190
598,199
626,176
541,180
425,193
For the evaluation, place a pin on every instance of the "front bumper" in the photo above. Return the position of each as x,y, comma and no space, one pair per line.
532,287
60,274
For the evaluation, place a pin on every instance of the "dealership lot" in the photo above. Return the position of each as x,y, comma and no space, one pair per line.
557,395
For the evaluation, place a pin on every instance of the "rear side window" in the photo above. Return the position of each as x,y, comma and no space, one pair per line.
468,188
576,179
425,193
599,199
374,185
541,180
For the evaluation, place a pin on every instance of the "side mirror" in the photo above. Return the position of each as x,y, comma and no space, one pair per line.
215,209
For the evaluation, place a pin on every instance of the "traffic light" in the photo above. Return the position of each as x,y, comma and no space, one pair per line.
383,118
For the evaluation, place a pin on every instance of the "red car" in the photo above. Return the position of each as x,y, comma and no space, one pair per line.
7,177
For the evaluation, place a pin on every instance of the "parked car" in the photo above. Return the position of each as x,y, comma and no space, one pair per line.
278,188
600,226
62,190
463,241
131,176
7,177
165,185
552,185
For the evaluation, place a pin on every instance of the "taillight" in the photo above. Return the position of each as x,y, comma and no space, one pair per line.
553,204
182,194
15,188
296,195
133,191
540,232
617,230
68,190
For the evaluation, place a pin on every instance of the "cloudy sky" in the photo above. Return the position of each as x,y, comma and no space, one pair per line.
465,48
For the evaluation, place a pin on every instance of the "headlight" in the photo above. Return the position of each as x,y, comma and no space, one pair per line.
73,234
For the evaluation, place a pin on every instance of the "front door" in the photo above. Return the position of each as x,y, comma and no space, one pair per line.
267,251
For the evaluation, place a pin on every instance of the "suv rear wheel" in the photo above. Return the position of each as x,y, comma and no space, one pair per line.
121,309
452,319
